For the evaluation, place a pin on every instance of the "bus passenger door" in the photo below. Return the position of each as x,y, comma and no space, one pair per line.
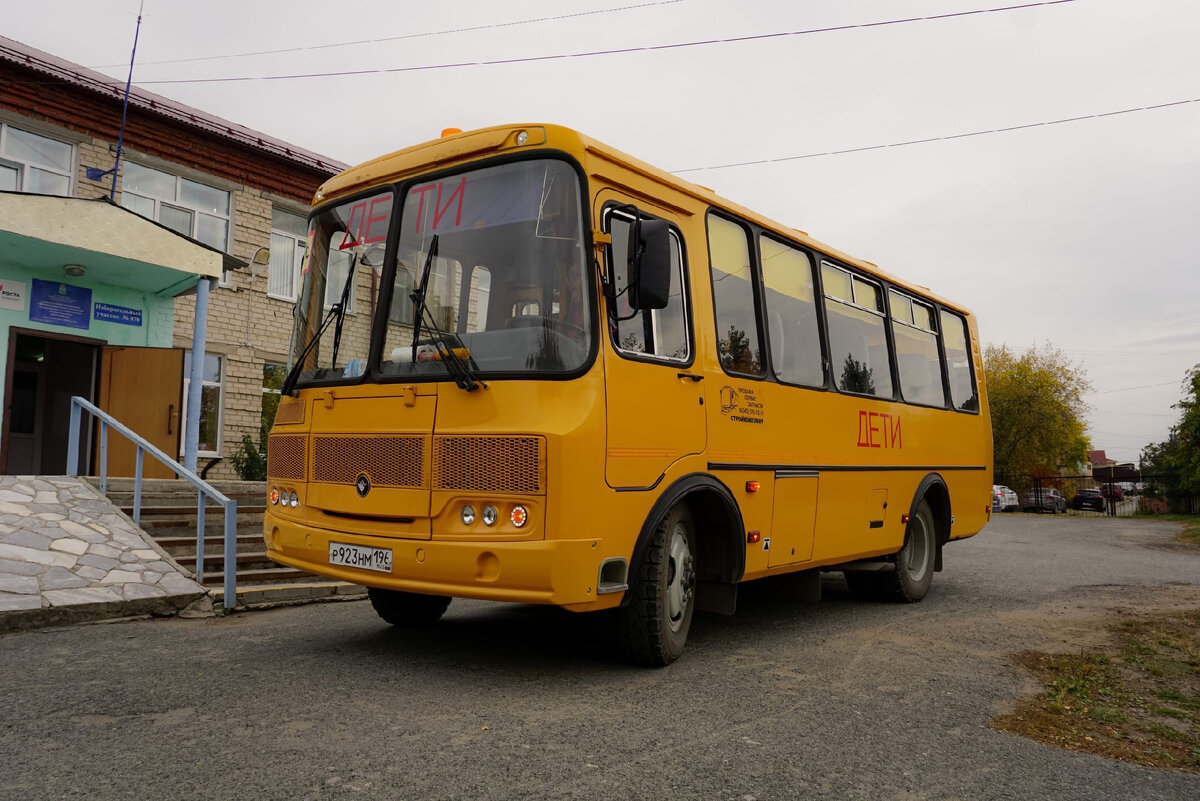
654,398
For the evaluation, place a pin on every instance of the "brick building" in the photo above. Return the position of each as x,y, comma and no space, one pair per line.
217,183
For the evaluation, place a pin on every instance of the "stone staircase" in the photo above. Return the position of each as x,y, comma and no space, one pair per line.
169,517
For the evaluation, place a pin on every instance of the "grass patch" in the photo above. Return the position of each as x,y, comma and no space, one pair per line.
1138,701
1191,533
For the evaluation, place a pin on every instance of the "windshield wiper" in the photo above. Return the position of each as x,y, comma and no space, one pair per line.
289,383
461,371
336,312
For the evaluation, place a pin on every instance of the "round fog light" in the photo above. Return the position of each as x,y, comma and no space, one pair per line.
489,515
468,515
519,516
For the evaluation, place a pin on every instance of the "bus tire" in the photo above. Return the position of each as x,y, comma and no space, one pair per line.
656,620
407,609
915,561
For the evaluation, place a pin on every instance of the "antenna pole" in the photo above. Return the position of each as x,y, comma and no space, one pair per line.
112,194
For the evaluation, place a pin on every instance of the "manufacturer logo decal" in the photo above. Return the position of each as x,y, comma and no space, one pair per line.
362,485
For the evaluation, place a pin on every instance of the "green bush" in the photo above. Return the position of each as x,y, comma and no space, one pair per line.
249,460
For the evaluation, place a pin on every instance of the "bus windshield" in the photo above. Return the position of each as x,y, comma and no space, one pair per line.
501,251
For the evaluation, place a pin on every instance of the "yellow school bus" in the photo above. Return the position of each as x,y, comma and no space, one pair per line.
528,367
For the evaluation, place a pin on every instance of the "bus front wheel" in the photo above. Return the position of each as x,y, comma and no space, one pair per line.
656,620
407,609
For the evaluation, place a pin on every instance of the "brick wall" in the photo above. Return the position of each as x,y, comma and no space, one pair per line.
245,326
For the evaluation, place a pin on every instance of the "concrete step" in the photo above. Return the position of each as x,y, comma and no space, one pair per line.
185,545
299,592
257,575
166,492
215,562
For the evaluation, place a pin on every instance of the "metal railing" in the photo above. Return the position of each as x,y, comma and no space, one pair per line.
204,489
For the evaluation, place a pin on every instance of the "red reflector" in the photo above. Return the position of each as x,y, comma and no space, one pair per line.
753,536
753,486
905,518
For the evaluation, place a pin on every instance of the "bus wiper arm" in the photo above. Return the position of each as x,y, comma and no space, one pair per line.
341,309
418,295
463,374
289,383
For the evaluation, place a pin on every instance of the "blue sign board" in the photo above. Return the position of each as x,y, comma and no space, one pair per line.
116,314
60,304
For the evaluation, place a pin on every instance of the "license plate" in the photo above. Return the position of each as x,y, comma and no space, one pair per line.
361,556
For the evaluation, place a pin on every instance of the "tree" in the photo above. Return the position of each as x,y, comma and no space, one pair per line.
1037,406
1175,463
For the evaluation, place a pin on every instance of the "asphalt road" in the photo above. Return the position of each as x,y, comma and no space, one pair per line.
842,699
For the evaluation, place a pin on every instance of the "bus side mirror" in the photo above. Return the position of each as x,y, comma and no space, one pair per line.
650,264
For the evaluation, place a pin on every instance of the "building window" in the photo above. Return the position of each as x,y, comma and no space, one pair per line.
33,163
289,244
210,403
185,206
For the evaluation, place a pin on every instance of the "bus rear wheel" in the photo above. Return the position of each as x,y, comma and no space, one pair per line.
656,620
407,609
910,581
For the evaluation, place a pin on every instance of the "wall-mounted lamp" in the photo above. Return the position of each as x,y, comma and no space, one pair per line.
261,258
74,270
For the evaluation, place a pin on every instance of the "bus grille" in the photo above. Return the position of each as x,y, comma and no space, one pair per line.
289,412
395,461
489,464
285,457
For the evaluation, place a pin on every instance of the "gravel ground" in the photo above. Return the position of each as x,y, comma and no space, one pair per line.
842,699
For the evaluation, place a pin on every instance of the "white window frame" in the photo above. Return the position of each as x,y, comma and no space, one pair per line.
220,385
226,279
301,245
22,167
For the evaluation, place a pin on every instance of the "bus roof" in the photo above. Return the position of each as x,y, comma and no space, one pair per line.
463,147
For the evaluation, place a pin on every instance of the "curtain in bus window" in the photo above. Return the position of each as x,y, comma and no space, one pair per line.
793,333
958,362
733,297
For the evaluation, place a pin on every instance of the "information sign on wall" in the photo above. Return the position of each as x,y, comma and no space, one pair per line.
116,314
12,294
60,304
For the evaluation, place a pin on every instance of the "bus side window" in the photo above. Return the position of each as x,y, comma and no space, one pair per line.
916,351
858,346
958,361
733,297
659,333
793,331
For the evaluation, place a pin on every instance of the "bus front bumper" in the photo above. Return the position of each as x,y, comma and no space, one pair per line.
561,572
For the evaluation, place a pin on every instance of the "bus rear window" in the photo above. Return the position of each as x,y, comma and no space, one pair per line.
958,362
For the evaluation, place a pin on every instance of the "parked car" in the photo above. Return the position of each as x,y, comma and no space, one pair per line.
1089,499
1003,499
1128,487
1112,491
1046,499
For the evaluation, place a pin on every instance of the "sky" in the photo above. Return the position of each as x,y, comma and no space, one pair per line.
1082,235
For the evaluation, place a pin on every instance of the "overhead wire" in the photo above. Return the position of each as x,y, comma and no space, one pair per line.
425,34
593,53
984,132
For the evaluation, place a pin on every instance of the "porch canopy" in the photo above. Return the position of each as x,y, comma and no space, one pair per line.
114,244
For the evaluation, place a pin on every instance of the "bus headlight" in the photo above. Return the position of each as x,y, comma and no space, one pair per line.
293,499
489,515
468,515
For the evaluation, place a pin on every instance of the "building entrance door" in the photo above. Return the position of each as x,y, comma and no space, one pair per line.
142,387
44,371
